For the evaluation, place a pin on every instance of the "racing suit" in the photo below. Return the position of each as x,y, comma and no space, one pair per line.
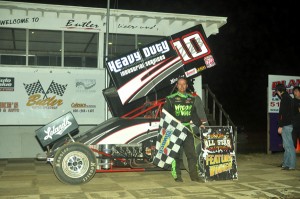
182,107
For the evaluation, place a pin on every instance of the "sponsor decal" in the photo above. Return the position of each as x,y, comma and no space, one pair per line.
38,97
191,72
165,140
178,99
7,84
118,64
132,69
183,110
9,107
161,48
82,108
201,68
57,130
209,61
85,85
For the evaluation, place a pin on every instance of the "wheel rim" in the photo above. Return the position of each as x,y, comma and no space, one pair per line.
75,164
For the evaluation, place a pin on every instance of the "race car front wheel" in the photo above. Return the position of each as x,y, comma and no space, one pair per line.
74,163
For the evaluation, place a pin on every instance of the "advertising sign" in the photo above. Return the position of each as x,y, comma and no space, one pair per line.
159,64
217,158
35,96
273,80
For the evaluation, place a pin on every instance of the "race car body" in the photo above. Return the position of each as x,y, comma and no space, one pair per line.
140,81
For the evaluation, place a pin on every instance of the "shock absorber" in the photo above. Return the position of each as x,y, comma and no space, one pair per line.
105,160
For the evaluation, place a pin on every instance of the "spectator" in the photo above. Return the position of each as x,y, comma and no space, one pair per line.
296,119
285,127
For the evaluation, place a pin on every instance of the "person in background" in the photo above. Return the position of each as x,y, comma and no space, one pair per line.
182,106
296,119
285,127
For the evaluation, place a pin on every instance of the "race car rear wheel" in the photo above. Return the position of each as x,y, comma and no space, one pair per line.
74,163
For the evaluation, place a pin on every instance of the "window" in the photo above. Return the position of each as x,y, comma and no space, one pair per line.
12,46
120,44
81,49
147,39
45,48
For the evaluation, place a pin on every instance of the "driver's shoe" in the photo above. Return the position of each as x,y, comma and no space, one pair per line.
178,179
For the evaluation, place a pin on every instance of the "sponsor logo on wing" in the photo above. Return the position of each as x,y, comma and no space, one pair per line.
155,49
191,72
134,85
57,130
117,65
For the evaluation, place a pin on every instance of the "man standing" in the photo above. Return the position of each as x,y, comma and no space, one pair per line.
285,127
182,106
296,120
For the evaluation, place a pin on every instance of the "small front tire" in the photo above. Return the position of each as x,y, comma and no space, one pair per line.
74,163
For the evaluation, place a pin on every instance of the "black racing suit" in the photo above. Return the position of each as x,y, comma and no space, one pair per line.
182,107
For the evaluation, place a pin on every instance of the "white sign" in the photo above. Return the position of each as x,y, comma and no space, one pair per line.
36,96
273,80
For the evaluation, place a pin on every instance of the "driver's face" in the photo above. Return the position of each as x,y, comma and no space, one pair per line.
182,85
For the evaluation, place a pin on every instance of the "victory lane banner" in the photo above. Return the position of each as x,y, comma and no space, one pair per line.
218,155
159,64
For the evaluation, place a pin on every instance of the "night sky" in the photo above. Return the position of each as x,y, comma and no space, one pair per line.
258,39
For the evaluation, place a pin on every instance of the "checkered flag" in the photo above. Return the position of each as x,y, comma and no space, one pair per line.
56,88
34,88
171,135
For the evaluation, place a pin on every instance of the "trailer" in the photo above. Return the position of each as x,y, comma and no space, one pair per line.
140,80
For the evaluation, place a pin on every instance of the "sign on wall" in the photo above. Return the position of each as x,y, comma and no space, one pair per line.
289,81
36,96
39,17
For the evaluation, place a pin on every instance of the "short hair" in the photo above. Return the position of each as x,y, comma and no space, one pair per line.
296,88
280,88
183,78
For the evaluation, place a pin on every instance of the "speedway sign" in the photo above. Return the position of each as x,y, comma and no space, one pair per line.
159,64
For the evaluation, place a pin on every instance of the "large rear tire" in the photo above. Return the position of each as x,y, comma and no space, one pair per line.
74,163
